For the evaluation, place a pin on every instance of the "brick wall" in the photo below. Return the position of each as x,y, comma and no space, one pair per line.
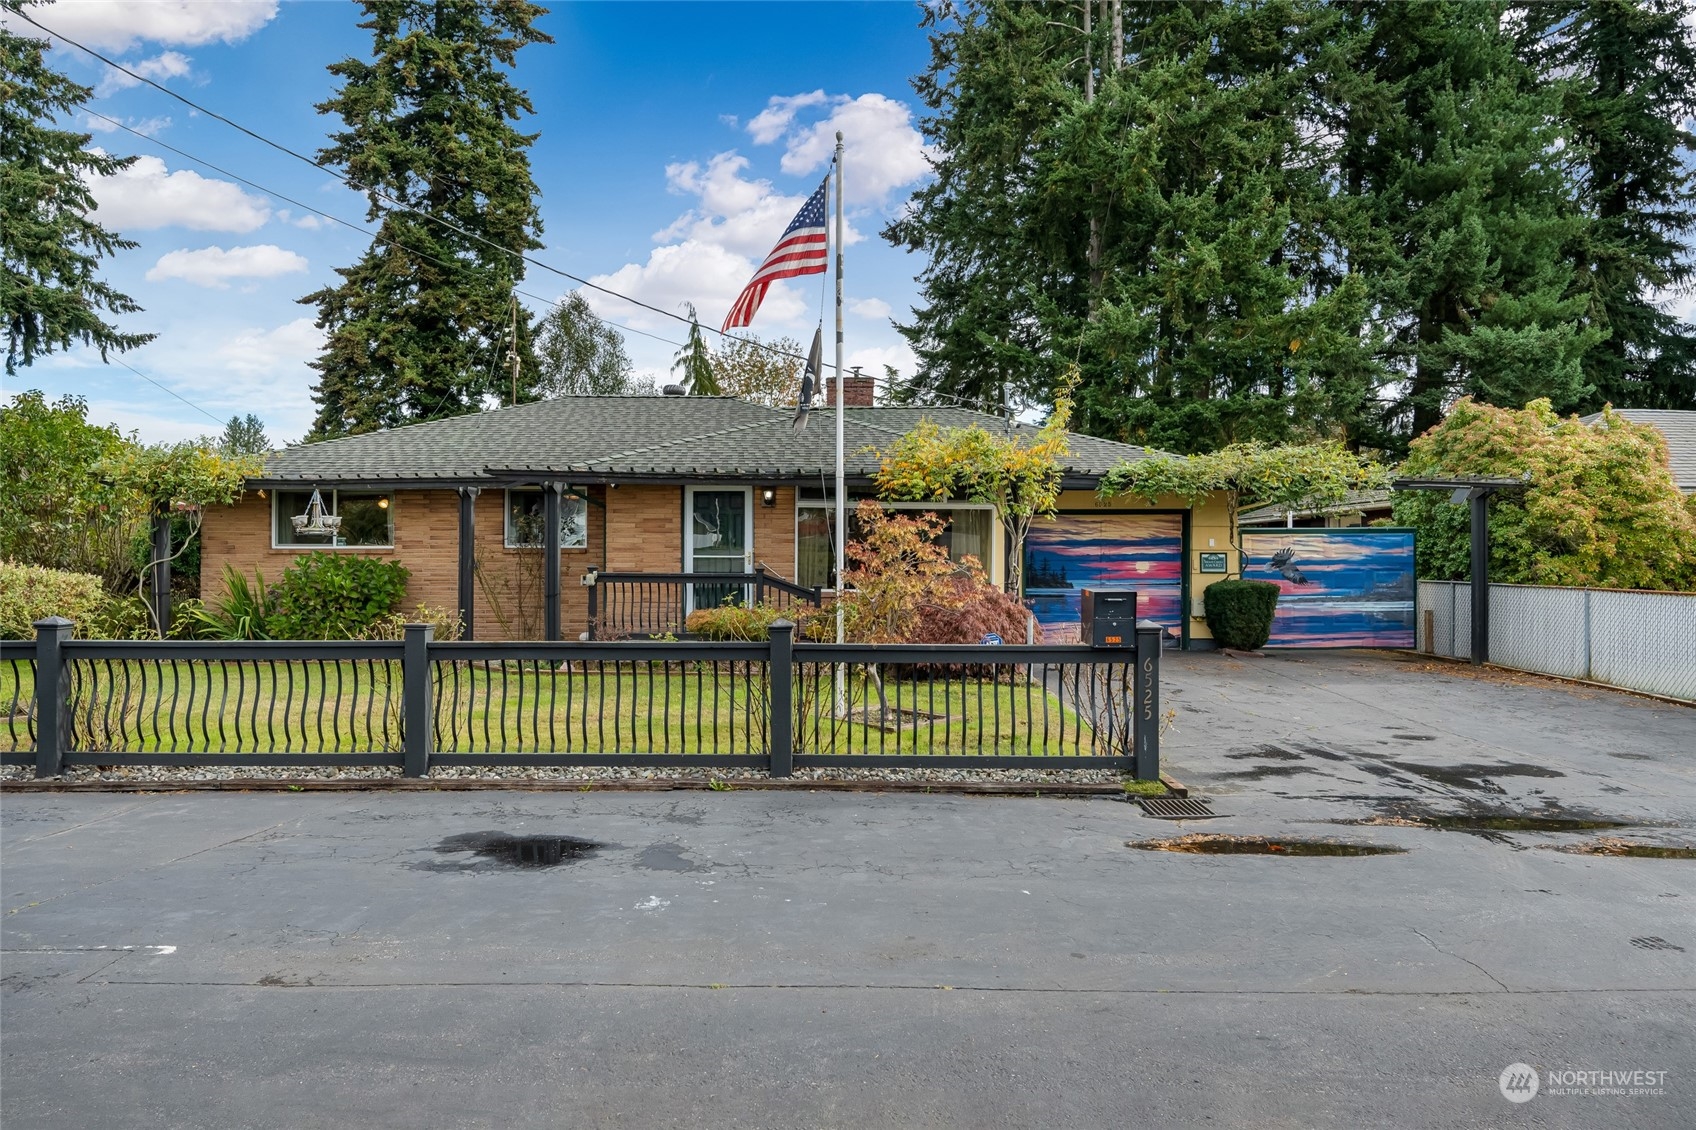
632,528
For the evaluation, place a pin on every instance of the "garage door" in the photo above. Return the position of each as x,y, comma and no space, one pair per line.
1072,552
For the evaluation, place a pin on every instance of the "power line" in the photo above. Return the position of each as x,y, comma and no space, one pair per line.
398,205
161,387
395,205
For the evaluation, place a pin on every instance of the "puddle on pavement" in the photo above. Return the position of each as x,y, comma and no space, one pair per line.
1624,849
1203,843
500,850
667,857
1490,822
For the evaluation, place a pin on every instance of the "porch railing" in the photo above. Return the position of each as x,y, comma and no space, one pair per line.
644,605
415,703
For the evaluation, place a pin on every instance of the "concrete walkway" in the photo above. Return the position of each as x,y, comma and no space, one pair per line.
809,959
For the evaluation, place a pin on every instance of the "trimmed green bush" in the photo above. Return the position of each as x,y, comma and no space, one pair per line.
335,596
30,592
1239,613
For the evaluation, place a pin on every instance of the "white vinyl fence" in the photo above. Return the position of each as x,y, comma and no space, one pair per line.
1643,641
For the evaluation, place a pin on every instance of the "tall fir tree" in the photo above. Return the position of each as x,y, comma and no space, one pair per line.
1457,161
419,327
49,292
1128,187
1626,74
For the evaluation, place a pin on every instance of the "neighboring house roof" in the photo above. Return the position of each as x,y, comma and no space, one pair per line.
1275,515
623,437
1679,428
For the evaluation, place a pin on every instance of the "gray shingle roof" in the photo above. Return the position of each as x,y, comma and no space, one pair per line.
648,436
1276,512
1679,428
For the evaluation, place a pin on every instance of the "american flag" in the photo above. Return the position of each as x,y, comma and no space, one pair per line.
801,251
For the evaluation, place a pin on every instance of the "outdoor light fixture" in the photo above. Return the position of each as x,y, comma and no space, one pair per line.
382,504
315,521
768,496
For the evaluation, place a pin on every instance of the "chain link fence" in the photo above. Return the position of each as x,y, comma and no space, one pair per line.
1642,641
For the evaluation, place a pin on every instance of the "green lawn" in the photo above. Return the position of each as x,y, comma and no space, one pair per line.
533,707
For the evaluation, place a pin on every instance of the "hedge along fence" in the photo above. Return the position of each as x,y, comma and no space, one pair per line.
418,702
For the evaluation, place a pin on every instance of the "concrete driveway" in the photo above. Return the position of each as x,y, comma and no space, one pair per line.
803,959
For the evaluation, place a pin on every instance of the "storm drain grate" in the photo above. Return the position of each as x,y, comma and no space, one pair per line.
1176,807
1655,944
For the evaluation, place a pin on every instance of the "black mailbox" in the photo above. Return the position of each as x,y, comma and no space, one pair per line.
1109,618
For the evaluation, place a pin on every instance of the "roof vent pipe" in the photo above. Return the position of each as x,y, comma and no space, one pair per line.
675,390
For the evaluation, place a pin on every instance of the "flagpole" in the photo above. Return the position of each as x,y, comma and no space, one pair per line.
841,492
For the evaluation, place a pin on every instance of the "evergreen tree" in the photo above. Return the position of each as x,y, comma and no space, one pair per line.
1456,162
578,354
244,435
418,328
1134,193
694,362
1626,72
51,248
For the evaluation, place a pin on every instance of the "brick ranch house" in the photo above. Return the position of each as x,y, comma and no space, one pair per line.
670,484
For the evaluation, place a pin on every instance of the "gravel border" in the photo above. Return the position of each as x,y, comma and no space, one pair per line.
96,777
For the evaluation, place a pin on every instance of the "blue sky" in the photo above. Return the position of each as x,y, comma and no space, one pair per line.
677,139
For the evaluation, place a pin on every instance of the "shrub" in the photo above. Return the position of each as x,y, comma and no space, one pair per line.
243,613
447,623
335,596
30,592
737,622
1239,613
904,589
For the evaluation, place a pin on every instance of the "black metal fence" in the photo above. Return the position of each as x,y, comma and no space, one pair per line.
645,605
416,703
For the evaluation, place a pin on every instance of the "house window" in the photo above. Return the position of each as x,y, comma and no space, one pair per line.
970,531
524,530
368,519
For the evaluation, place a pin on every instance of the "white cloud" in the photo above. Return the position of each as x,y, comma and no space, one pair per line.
147,127
118,25
706,274
161,68
875,308
872,360
772,122
215,267
254,352
309,221
881,149
707,254
146,196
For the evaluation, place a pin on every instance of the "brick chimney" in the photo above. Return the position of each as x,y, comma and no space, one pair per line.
857,392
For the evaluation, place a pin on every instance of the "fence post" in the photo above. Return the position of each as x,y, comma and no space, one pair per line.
417,708
52,713
1589,663
1146,706
594,605
781,726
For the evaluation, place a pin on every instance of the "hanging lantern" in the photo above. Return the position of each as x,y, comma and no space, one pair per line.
315,521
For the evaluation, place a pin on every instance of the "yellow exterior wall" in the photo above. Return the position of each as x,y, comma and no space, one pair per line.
1210,532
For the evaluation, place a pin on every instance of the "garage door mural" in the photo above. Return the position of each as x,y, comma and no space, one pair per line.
1073,552
1337,587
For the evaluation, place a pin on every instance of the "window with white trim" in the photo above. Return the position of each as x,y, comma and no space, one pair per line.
971,530
524,510
368,519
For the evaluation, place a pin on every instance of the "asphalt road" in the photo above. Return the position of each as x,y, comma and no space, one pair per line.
813,959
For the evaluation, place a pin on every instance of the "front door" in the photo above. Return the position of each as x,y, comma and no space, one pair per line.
720,539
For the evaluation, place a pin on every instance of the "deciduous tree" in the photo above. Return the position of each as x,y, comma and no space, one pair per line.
1600,508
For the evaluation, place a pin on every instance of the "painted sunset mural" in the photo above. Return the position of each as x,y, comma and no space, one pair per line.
1337,588
1073,552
